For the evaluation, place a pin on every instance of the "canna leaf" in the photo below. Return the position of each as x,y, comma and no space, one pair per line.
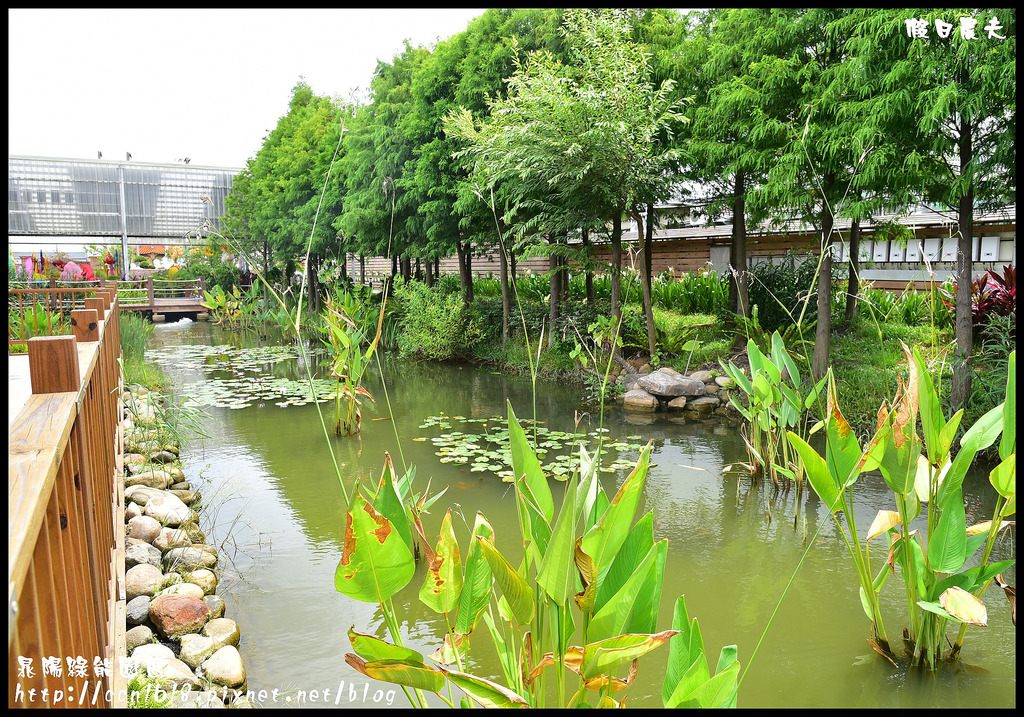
1004,477
606,656
372,648
514,588
399,672
883,522
964,606
555,575
1008,445
947,545
376,562
442,585
476,589
487,693
818,474
636,546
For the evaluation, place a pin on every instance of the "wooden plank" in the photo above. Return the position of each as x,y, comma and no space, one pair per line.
53,364
37,441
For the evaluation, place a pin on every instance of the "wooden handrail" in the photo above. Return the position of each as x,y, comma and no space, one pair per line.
66,521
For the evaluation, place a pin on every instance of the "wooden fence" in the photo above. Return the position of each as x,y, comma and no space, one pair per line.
66,594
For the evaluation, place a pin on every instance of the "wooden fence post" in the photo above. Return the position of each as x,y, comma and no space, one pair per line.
150,292
98,305
53,364
85,324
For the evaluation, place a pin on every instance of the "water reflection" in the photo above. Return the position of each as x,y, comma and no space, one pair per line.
733,551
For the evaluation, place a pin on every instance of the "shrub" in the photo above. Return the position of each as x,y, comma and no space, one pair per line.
434,325
780,289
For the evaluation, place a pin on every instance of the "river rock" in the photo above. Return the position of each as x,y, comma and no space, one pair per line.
668,385
169,538
191,558
725,382
143,579
175,674
205,579
162,456
132,510
216,605
177,615
183,588
195,649
168,509
242,702
222,631
628,380
702,376
151,654
225,667
141,494
677,404
711,388
140,553
703,406
195,533
151,478
137,610
639,400
138,635
188,497
144,527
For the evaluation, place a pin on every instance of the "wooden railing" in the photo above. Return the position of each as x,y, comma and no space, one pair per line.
144,292
66,594
46,311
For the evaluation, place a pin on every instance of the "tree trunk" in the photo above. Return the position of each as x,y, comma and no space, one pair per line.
406,265
555,290
823,330
465,271
616,310
739,296
314,285
590,273
428,275
362,269
853,282
646,234
963,368
506,295
418,273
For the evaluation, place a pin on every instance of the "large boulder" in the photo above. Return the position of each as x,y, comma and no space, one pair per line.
141,553
144,527
639,400
168,509
669,385
225,667
177,615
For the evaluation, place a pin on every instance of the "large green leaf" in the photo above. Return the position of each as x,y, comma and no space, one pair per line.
685,649
388,501
603,541
442,585
527,470
399,672
932,421
376,561
818,474
487,693
479,580
1008,445
1004,477
518,593
616,616
636,546
606,656
557,574
372,648
947,546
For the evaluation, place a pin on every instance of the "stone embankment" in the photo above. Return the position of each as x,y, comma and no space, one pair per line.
176,630
696,395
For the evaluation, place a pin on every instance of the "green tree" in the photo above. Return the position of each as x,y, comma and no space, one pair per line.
950,104
582,137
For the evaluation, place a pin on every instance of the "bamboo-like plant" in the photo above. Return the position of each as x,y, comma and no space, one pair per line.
926,481
349,362
582,598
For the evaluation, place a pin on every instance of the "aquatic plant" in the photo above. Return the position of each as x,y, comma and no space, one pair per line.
925,480
584,598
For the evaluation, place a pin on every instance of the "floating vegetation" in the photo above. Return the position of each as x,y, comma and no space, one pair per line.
243,377
487,449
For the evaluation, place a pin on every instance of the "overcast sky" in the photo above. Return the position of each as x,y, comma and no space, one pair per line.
203,84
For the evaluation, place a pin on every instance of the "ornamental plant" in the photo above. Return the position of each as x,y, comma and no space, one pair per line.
927,536
578,607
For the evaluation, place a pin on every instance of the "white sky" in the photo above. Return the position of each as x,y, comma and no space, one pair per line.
205,84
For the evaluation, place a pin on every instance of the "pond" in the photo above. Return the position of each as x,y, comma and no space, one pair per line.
276,511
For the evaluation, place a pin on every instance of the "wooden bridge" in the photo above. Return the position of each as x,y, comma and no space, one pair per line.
44,308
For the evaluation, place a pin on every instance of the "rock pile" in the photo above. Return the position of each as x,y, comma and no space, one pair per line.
697,395
176,630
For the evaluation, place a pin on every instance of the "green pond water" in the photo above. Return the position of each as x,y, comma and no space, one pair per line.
276,511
